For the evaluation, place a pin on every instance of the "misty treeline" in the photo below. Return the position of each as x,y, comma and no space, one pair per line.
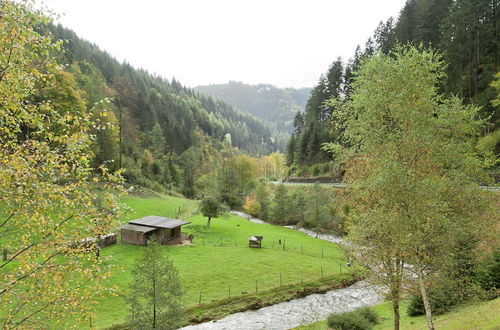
277,106
147,125
464,31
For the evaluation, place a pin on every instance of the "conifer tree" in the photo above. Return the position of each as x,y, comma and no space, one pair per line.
281,205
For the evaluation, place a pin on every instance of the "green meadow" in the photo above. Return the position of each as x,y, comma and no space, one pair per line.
219,263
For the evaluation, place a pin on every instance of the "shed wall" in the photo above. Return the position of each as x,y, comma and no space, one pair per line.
133,237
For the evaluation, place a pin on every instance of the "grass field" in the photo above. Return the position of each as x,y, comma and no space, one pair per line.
209,266
481,315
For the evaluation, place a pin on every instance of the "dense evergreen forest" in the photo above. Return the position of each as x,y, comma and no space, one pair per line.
465,32
154,128
277,106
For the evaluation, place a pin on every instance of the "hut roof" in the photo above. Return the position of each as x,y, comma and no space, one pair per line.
158,222
141,229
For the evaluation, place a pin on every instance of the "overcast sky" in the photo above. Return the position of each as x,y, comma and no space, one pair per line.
287,43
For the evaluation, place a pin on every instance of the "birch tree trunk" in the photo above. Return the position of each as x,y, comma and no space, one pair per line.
395,312
425,298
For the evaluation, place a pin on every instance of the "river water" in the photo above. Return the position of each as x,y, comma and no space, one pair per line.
302,311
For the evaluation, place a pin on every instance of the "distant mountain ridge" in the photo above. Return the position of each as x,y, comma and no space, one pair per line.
277,106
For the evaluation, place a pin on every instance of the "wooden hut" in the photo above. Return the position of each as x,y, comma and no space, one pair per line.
166,230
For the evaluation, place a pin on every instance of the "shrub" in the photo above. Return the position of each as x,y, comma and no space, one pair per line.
368,314
315,169
301,172
490,142
231,200
456,283
361,319
252,206
325,168
290,171
488,274
441,299
349,321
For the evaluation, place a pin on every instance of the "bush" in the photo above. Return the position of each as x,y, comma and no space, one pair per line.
325,168
488,274
441,299
251,206
456,283
231,200
315,170
416,306
349,321
368,314
361,319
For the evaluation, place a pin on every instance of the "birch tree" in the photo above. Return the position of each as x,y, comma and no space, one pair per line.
155,296
413,175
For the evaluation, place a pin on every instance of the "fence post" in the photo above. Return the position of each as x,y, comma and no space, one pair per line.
199,300
322,253
283,244
321,269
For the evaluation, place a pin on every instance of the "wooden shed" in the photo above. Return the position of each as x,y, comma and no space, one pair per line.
166,230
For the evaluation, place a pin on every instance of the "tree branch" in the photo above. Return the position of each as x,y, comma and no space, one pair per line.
33,314
6,220
35,243
20,278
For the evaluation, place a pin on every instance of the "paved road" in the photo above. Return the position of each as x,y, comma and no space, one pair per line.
341,185
332,184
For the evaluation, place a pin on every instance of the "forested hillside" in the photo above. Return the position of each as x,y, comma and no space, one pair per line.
465,32
152,127
276,105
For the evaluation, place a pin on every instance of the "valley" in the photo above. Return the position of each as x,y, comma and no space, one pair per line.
364,197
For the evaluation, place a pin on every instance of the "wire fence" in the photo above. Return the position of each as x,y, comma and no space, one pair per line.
216,291
273,244
330,262
231,289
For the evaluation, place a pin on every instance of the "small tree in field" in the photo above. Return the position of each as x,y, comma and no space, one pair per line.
211,208
155,294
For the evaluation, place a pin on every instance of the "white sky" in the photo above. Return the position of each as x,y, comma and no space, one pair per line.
287,43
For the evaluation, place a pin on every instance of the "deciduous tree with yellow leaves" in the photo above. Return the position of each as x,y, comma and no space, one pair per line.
48,204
